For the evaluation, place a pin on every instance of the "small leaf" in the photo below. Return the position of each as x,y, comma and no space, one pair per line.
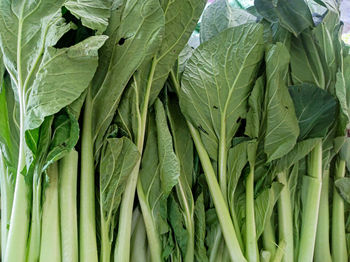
343,187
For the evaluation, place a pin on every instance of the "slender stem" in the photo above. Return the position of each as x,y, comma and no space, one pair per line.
269,239
19,223
222,165
265,256
68,169
221,207
280,252
35,228
219,201
122,250
139,242
252,252
152,234
285,218
236,227
339,249
50,238
215,246
87,224
313,184
322,247
6,203
106,244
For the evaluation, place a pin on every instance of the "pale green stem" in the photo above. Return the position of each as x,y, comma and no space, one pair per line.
265,256
222,164
19,223
216,245
50,237
221,207
252,252
35,228
311,206
285,218
322,247
269,239
68,170
106,243
122,250
339,249
87,223
139,242
151,230
218,199
280,252
6,204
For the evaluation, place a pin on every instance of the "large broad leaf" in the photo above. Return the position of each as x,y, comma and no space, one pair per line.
180,20
282,128
28,32
315,109
118,158
93,13
135,31
220,16
217,81
293,15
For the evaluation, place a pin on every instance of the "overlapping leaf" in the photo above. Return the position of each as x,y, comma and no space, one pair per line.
217,81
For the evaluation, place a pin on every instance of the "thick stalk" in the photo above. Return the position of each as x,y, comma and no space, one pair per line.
269,239
311,206
35,228
19,223
87,224
339,249
6,204
122,250
221,207
252,252
68,169
322,247
285,218
50,238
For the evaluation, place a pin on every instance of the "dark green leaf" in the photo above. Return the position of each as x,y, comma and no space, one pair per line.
343,187
293,15
315,109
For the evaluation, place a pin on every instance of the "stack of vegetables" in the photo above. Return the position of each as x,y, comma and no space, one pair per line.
120,142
